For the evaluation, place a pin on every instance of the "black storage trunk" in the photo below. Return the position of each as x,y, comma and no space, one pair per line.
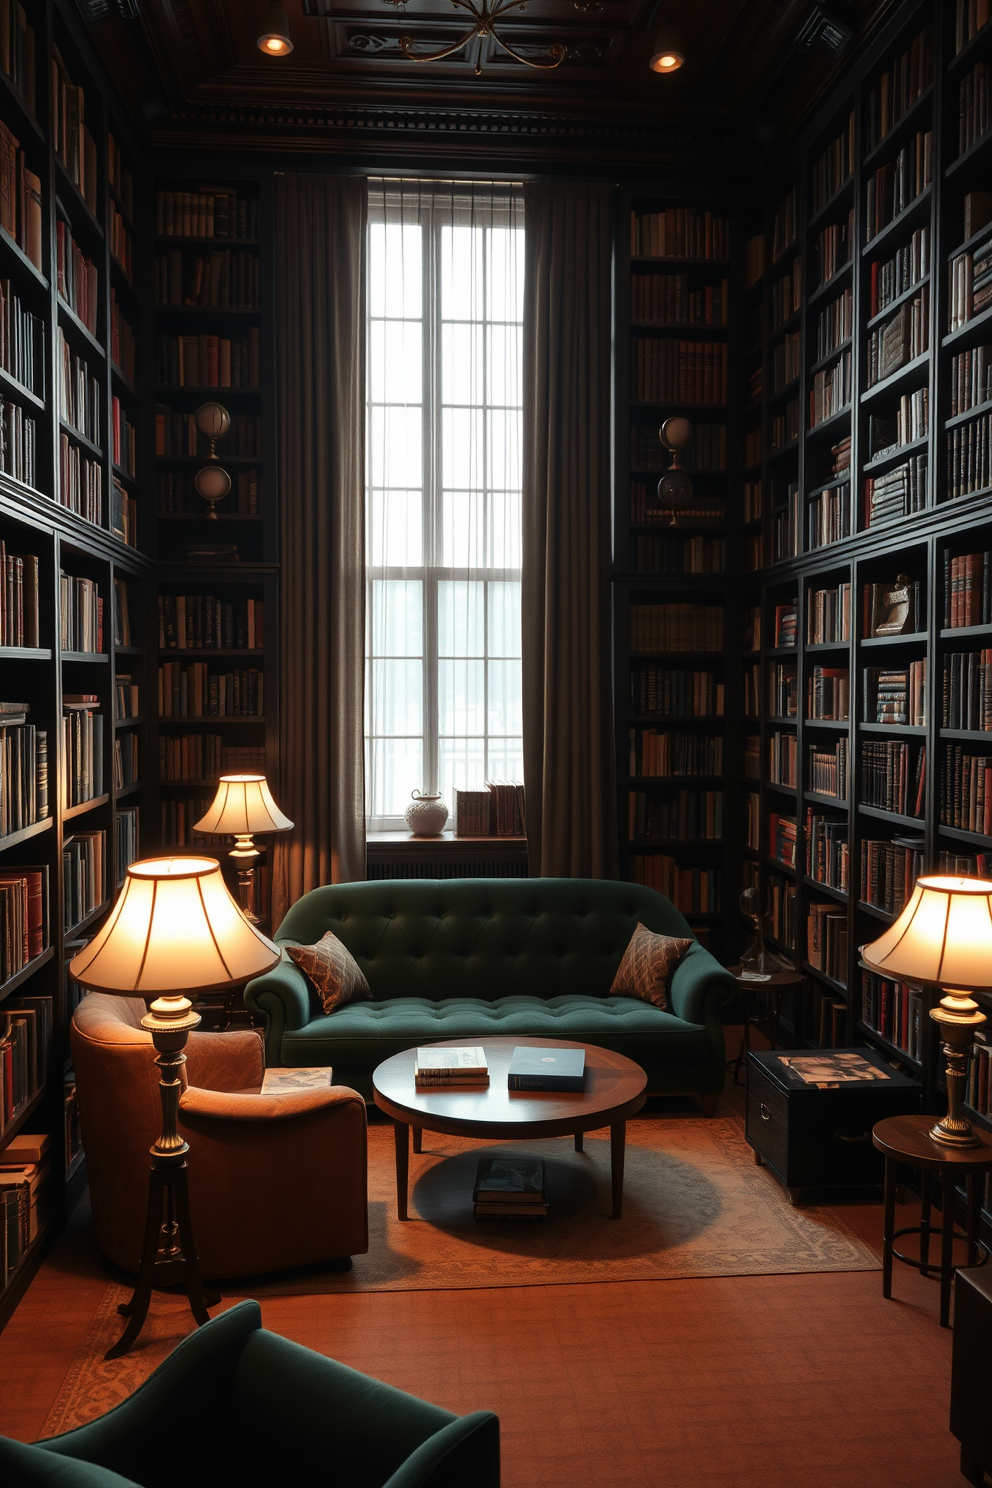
813,1138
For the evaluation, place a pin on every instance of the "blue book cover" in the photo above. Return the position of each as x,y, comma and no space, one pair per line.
536,1068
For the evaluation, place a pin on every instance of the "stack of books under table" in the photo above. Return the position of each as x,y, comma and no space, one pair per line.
510,1188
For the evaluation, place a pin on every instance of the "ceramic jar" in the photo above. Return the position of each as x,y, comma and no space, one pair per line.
427,816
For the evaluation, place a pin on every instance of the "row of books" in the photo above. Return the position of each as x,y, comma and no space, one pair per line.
221,280
785,624
80,614
668,299
20,623
176,434
832,249
706,450
785,426
499,810
675,693
905,335
84,882
752,690
677,555
123,514
80,481
203,622
783,698
673,752
828,693
895,276
782,833
829,516
969,18
122,344
969,456
898,88
82,751
888,872
895,1010
191,691
120,177
24,925
893,776
18,443
20,198
834,324
126,770
898,493
828,853
78,393
973,106
71,139
785,223
688,816
783,909
76,276
18,51
176,819
23,770
977,1088
218,213
177,493
120,241
971,379
969,289
965,791
707,511
22,341
896,695
205,756
782,758
122,614
828,769
967,690
785,361
828,614
753,500
832,167
831,390
785,531
208,360
676,627
826,946
691,890
126,830
126,696
25,1043
896,184
666,370
787,294
679,232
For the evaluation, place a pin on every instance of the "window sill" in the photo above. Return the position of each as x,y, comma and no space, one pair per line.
395,844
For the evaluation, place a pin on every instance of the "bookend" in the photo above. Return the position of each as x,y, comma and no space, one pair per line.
168,1253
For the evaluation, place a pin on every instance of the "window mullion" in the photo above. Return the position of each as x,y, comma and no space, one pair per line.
432,463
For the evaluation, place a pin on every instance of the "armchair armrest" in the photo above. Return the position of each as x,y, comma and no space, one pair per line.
467,1451
700,987
226,1105
282,998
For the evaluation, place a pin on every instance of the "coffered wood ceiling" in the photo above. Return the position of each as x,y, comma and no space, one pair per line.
193,76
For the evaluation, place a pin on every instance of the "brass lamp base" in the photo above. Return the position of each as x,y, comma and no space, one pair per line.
244,852
957,1015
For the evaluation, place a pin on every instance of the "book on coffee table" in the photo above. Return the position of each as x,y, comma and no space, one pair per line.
543,1068
461,1065
510,1188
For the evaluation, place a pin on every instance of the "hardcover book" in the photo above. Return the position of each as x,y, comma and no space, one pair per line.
536,1068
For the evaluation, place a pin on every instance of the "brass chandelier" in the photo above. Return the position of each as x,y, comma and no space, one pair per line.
485,16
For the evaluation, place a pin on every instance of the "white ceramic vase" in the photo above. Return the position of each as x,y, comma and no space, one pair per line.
426,815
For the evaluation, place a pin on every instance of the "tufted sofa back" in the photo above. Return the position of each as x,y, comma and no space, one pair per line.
483,937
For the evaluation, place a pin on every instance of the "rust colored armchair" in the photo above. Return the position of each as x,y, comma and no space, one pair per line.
275,1181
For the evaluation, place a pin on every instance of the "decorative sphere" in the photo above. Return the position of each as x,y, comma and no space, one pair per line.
675,432
212,420
675,490
212,482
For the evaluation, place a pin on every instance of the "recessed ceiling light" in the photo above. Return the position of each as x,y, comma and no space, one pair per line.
274,39
667,53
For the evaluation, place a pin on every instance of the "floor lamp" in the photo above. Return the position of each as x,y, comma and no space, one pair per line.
242,807
175,929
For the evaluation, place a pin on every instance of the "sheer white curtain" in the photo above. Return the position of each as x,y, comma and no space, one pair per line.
445,313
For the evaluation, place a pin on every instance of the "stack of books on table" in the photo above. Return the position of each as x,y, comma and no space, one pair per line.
510,1188
463,1066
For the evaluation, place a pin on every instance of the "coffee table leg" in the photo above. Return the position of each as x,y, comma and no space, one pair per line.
578,1141
618,1147
888,1226
401,1139
418,1138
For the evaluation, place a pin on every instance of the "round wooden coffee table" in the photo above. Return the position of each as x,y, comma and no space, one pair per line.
614,1090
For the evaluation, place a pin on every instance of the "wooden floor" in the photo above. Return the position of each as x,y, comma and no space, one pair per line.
809,1381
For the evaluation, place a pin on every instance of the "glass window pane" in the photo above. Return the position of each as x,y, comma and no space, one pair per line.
504,698
394,529
504,529
462,364
396,614
461,689
461,766
397,703
505,351
462,450
460,629
395,361
463,532
504,618
462,282
394,767
395,456
506,273
506,760
505,469
395,269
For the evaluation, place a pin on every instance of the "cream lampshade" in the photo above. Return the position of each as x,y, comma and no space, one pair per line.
944,936
242,806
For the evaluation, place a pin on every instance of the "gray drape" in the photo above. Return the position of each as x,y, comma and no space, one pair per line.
566,604
320,279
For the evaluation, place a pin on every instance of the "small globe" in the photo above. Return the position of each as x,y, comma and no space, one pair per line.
675,491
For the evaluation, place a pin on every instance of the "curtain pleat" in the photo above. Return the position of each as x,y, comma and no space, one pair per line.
320,277
566,603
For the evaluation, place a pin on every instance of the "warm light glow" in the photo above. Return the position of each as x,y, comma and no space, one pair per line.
944,935
277,45
667,62
243,803
175,928
273,39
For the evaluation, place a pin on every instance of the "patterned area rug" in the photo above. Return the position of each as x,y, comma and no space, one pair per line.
695,1204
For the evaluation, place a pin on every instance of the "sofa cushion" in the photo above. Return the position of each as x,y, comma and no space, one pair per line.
333,970
648,962
366,1033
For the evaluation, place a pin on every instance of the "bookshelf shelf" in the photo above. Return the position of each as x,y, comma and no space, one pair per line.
914,639
25,653
840,895
875,912
900,299
14,839
895,730
908,217
88,920
903,374
894,456
968,415
26,972
69,813
20,257
975,328
889,1047
914,823
969,156
11,385
958,834
89,657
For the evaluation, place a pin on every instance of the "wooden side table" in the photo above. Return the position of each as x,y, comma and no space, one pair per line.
778,984
906,1139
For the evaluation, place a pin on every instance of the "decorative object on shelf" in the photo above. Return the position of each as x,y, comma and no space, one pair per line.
174,929
212,481
243,806
274,38
944,936
485,17
753,967
667,49
675,488
426,816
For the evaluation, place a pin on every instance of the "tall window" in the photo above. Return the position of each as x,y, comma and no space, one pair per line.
445,312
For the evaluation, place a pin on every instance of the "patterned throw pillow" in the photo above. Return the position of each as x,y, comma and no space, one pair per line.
333,970
647,966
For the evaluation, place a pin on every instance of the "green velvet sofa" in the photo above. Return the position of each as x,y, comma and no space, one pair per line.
471,958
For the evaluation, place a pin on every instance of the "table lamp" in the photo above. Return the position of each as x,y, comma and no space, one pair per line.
944,936
242,806
174,929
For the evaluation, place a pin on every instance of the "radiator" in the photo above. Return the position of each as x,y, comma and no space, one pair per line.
412,866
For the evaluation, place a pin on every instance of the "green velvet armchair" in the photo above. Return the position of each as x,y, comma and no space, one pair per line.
235,1404
471,958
